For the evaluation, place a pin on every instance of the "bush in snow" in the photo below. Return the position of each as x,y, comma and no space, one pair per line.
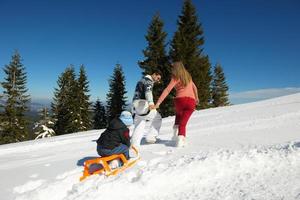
43,128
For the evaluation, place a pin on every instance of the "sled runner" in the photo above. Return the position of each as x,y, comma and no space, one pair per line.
101,165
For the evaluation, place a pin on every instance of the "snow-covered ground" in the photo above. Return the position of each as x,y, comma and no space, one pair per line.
249,151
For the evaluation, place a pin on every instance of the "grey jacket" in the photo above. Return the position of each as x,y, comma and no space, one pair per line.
143,89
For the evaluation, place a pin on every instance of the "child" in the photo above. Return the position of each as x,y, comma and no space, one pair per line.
115,139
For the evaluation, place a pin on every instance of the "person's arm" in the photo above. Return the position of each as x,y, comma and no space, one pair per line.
166,91
195,93
125,137
148,92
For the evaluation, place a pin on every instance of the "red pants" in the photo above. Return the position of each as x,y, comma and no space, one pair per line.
184,107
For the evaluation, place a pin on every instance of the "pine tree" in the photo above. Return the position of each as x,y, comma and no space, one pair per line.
14,124
187,46
116,100
219,88
83,101
65,105
99,119
2,122
156,59
44,127
204,83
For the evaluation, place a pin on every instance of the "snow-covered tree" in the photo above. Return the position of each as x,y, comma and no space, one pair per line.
44,127
44,131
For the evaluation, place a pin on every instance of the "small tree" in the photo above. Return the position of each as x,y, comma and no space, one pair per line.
219,88
43,128
116,100
99,119
14,124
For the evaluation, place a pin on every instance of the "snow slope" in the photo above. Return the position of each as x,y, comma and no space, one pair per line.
249,151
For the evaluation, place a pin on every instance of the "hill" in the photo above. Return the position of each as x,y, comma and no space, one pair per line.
247,151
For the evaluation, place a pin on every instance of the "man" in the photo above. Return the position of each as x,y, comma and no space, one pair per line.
143,109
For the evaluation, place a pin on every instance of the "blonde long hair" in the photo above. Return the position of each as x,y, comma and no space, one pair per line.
180,73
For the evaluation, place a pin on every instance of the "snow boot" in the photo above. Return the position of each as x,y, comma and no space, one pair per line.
180,141
150,140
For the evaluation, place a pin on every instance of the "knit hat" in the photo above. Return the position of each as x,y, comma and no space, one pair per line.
126,118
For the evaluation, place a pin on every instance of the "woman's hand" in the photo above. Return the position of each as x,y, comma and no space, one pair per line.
154,107
151,107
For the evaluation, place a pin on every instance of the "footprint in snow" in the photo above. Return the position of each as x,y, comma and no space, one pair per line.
163,153
33,175
142,163
29,186
155,161
134,176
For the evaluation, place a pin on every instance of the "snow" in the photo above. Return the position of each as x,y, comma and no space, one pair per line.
248,151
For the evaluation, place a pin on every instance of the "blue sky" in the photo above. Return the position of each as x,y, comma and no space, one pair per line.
257,42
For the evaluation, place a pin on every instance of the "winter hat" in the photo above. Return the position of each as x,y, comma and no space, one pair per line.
126,118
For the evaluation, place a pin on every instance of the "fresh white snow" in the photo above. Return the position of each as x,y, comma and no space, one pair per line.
248,151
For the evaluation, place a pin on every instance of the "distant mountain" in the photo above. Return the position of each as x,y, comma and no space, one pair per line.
35,104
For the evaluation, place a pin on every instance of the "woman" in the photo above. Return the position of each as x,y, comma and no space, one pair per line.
185,100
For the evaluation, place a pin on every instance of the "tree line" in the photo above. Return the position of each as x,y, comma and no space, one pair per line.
71,109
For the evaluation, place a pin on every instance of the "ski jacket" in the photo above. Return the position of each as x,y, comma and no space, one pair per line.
143,89
115,134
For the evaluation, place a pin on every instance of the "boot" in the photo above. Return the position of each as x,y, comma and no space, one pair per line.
150,140
180,141
175,133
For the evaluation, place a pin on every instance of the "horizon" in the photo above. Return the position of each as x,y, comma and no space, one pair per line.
259,59
235,98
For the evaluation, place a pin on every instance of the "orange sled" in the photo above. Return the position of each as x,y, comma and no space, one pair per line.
103,165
